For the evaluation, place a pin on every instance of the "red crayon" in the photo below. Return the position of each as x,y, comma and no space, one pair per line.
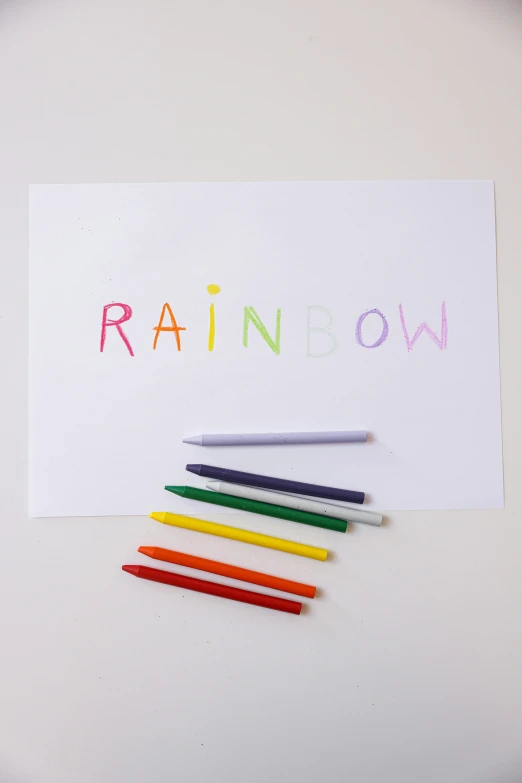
213,588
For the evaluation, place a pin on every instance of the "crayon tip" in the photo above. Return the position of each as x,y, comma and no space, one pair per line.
193,468
177,490
131,569
147,550
194,439
159,516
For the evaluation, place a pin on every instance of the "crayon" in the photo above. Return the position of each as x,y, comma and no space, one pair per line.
338,511
254,507
282,485
214,588
224,569
237,534
278,438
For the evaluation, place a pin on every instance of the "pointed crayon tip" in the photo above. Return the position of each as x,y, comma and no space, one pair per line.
177,490
194,439
131,569
159,516
193,468
147,550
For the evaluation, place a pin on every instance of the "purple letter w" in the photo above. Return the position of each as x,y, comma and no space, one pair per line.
441,341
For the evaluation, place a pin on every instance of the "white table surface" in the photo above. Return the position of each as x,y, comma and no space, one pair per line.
416,678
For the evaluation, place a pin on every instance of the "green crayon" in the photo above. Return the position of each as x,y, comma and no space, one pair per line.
256,507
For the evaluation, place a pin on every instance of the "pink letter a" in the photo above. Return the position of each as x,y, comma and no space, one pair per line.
441,342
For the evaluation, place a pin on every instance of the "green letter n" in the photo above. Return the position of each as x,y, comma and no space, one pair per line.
251,315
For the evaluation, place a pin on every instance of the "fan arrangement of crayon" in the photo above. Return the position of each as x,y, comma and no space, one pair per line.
311,504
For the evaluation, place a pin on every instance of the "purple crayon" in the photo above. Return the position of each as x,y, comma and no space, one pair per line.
281,485
277,438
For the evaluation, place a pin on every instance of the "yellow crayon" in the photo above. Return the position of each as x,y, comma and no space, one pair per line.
237,534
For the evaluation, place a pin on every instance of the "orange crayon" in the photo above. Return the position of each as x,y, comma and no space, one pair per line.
234,572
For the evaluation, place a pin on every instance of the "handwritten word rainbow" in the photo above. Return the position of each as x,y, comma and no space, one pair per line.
273,341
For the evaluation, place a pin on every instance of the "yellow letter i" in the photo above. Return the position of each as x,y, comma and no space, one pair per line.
212,289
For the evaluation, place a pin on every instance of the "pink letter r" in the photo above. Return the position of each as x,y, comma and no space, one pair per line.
127,313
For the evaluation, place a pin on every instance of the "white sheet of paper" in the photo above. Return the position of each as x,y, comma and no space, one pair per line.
106,427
